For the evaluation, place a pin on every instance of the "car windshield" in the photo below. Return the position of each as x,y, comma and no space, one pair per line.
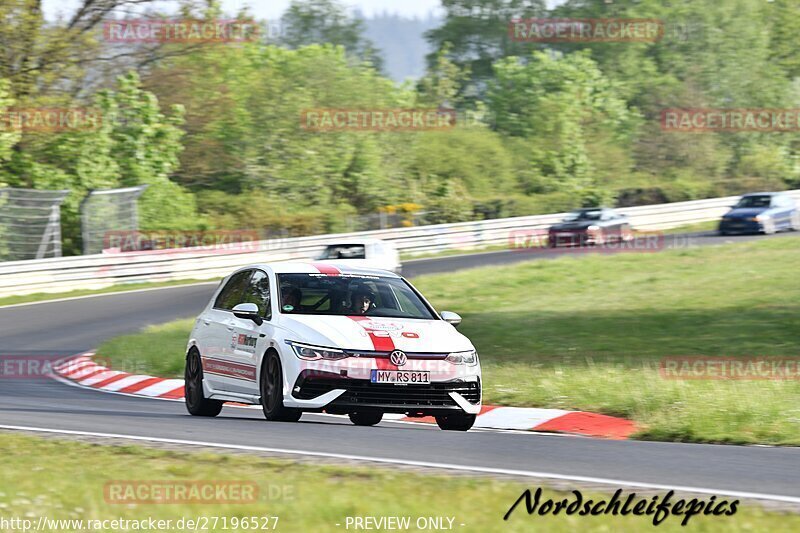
350,295
584,214
344,251
754,201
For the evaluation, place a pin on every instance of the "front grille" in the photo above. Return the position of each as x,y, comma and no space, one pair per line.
361,392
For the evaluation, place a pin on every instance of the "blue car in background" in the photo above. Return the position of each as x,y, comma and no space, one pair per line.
763,212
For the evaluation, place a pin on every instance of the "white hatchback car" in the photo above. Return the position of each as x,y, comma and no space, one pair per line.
368,253
298,337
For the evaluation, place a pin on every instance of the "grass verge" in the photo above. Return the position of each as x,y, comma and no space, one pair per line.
589,333
69,480
44,296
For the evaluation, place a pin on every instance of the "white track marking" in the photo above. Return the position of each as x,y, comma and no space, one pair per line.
162,387
517,417
88,382
134,291
423,464
124,382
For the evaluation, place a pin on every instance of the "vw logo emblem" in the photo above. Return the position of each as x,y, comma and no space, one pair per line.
398,358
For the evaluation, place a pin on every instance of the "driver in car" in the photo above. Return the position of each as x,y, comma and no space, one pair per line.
362,301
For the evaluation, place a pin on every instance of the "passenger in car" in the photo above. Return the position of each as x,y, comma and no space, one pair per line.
291,296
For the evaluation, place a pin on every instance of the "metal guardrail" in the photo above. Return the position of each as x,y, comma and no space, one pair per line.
106,270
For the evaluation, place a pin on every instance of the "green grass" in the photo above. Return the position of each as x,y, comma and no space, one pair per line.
122,287
156,350
587,333
66,479
711,225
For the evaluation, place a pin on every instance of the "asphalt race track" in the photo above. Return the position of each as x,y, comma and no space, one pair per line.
76,325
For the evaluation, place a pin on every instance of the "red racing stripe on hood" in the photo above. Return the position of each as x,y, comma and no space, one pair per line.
330,270
379,343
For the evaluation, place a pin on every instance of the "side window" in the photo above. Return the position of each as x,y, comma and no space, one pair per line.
232,292
257,292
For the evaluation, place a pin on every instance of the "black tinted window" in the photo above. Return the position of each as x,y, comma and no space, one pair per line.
755,201
257,292
231,294
345,251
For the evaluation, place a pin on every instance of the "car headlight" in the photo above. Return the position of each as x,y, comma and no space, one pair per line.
469,358
311,353
760,218
593,228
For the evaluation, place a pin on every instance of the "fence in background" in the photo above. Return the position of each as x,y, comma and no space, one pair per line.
105,270
30,223
107,210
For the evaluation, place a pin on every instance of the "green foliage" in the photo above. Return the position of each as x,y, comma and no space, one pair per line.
216,131
133,144
557,103
475,35
326,21
450,202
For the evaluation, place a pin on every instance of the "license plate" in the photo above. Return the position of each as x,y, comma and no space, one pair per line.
401,376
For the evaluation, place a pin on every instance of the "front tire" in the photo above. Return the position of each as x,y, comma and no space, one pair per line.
272,391
459,422
196,402
369,418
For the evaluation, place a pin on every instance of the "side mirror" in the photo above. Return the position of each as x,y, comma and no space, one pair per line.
451,318
248,312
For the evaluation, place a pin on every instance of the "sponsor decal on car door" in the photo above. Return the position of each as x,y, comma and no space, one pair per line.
248,339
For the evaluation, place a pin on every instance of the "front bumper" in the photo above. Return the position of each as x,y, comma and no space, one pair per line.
574,238
460,395
740,226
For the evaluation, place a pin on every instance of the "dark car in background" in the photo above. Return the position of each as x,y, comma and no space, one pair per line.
590,226
763,212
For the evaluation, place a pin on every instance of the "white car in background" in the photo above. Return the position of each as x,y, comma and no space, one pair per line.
363,253
298,337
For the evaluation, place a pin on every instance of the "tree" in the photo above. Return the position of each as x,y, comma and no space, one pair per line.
557,103
475,35
326,22
145,145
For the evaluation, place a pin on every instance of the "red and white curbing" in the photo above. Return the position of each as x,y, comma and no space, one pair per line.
85,372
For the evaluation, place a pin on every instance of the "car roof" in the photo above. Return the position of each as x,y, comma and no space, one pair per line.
347,242
321,267
762,194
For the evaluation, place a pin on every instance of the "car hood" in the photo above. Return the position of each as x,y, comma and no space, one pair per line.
374,333
745,212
